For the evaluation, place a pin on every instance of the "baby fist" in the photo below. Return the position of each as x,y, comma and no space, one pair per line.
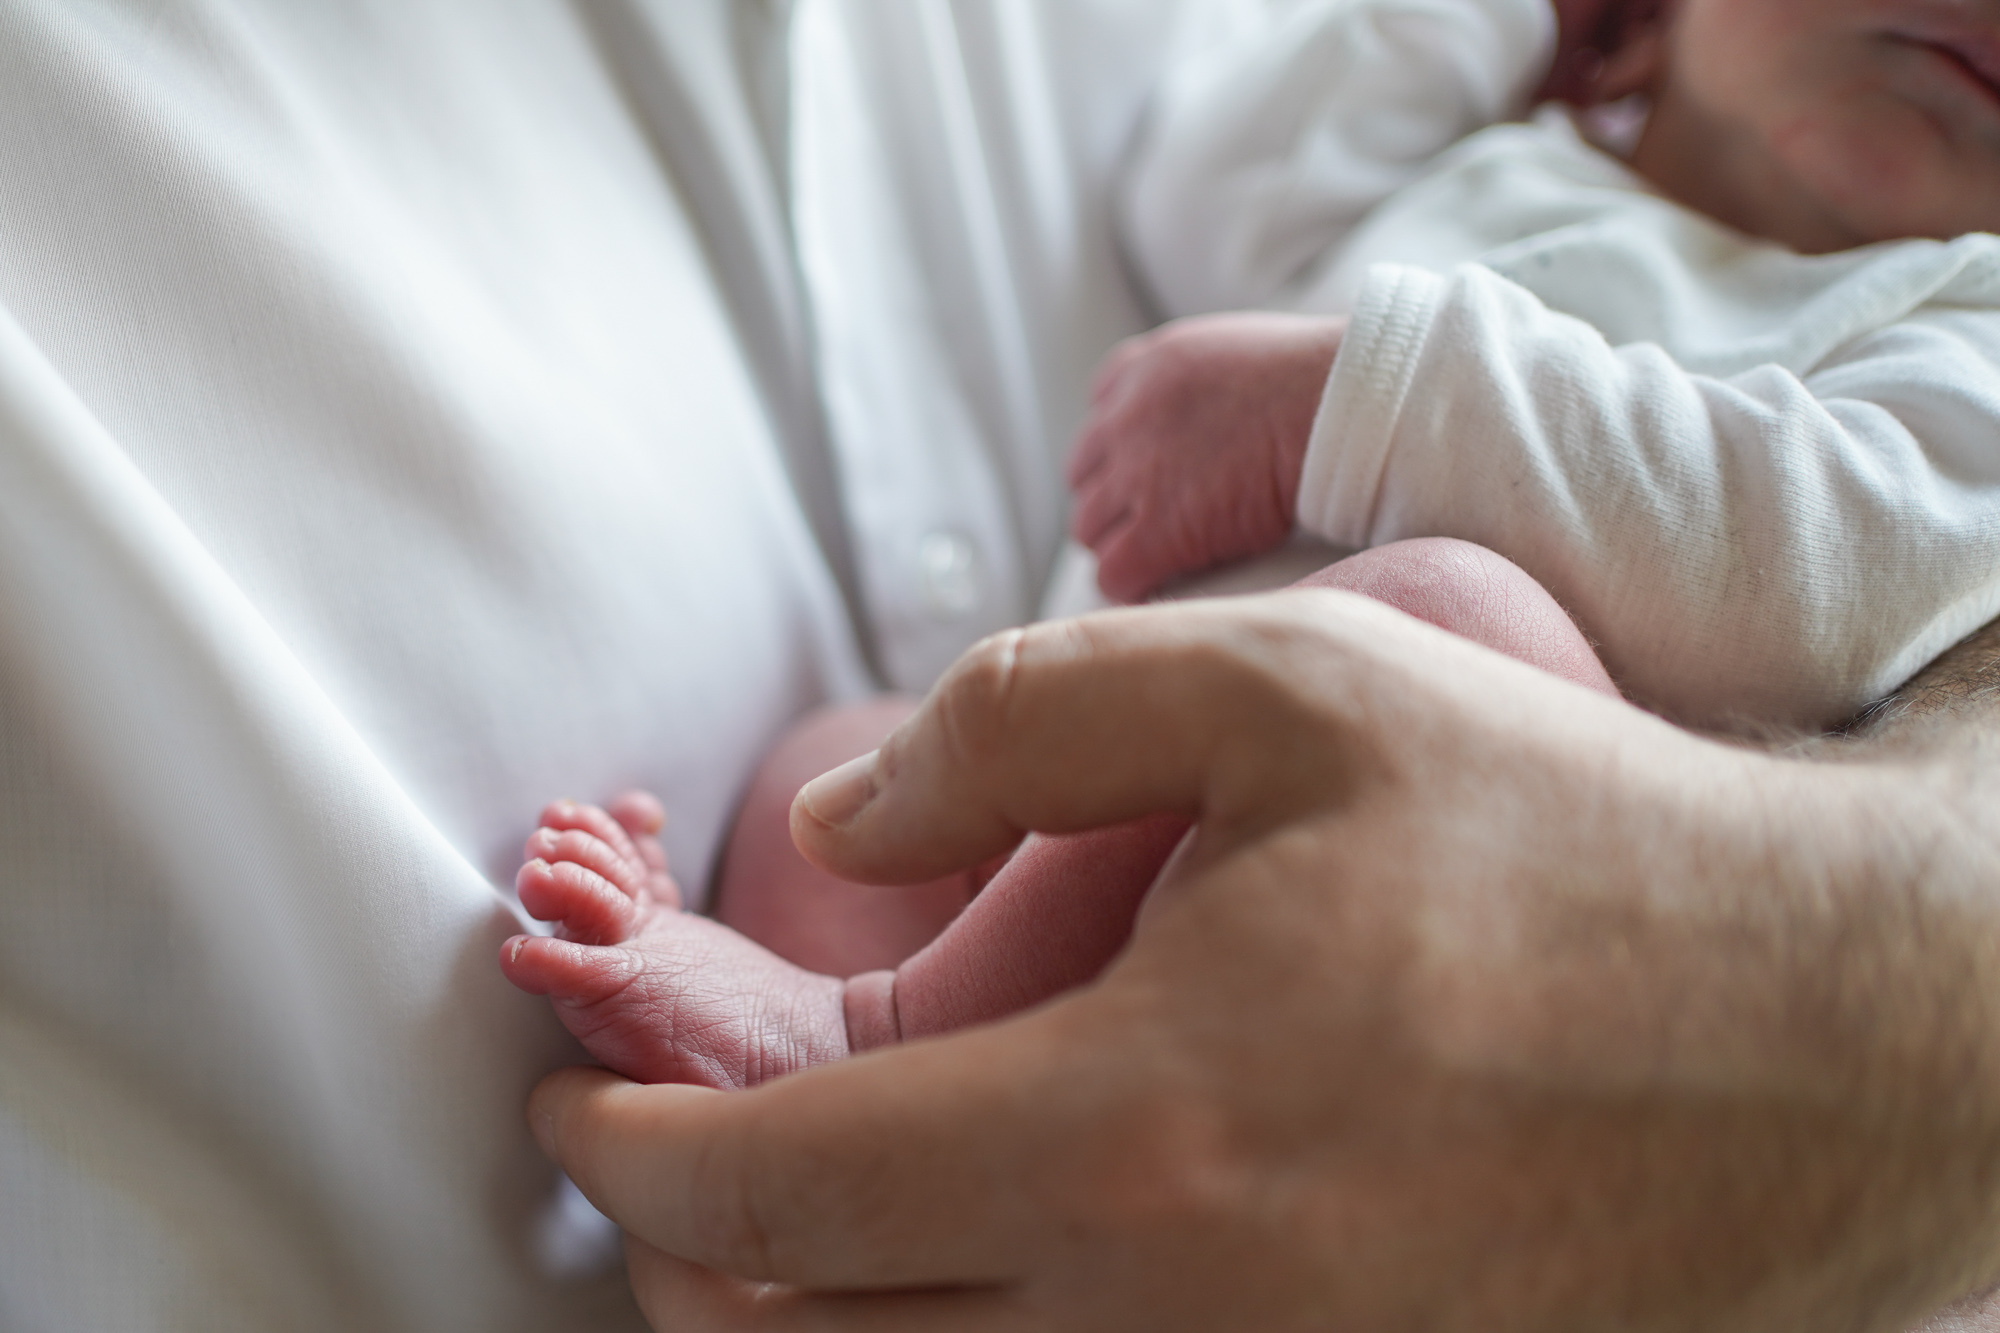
1197,433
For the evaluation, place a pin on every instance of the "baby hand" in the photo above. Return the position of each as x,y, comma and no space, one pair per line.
1197,433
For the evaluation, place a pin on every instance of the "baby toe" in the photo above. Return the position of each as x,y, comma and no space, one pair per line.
590,851
568,971
641,816
581,817
639,812
589,908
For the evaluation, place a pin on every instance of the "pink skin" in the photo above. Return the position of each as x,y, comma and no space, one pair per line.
1191,454
1824,124
661,995
799,912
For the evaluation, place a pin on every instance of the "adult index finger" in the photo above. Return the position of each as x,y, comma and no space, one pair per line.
1194,709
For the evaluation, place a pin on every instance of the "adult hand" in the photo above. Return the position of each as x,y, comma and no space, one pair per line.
1478,1001
1195,441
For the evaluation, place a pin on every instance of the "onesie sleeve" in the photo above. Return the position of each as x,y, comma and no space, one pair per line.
1259,158
1767,547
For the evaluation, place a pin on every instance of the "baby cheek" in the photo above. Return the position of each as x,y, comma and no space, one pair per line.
1880,168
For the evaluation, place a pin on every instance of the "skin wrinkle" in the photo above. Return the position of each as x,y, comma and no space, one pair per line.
728,1214
1273,649
1012,642
987,672
1222,387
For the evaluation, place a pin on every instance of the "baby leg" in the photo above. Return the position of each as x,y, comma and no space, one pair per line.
1062,907
775,896
1476,595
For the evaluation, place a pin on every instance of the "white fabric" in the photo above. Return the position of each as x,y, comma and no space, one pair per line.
955,173
1283,132
1767,485
405,412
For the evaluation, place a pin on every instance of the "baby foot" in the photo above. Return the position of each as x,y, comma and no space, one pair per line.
654,993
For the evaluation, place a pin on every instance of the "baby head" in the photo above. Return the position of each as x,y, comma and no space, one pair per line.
1824,124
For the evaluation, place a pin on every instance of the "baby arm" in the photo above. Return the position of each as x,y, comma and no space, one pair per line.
1770,544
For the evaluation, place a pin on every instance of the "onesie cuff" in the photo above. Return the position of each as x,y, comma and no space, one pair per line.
1349,447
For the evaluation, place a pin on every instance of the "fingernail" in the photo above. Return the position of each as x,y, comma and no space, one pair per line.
836,798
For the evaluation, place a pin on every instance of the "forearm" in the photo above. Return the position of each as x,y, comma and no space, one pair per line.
1899,956
1946,722
1952,703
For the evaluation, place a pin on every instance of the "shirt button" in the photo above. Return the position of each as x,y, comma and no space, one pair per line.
948,572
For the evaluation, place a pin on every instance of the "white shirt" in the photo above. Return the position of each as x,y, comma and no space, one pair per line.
415,410
1270,141
1767,485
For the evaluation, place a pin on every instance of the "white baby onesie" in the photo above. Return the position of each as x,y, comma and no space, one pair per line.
1768,485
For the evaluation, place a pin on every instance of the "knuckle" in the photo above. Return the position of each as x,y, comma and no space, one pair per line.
1099,443
1296,675
1249,652
977,697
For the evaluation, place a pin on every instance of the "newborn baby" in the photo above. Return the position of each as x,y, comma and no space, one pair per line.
1765,482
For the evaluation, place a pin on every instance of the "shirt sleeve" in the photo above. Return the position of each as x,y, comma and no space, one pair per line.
1763,548
1262,156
